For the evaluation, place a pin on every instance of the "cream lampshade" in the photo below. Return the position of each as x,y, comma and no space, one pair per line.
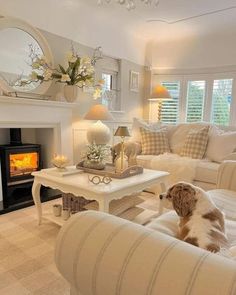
98,133
159,94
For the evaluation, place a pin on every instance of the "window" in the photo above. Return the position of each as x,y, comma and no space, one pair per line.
109,95
195,101
170,107
221,101
107,81
197,97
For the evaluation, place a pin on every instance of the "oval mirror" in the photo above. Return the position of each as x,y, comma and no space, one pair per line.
17,38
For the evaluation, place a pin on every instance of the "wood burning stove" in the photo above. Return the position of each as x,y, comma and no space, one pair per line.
18,161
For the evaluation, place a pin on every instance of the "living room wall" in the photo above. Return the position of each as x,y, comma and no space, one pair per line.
131,102
214,50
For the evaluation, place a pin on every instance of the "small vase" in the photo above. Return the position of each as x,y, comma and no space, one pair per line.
94,165
70,92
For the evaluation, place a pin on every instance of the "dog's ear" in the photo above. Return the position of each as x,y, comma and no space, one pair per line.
183,199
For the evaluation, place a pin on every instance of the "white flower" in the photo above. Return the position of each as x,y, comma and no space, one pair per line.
47,74
33,76
85,60
65,78
89,82
35,65
71,57
97,93
42,60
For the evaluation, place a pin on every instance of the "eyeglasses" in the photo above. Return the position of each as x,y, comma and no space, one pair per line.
97,179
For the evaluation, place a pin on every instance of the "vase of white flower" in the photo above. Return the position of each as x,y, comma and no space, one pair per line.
77,73
70,92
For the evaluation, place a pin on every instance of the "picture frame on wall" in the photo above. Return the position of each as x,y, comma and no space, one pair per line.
134,81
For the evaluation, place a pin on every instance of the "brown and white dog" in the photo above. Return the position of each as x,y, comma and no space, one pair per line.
201,222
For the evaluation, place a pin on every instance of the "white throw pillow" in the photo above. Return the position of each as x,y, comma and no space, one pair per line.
139,123
221,144
167,224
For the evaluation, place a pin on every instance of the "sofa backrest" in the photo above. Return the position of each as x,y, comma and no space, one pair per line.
176,133
102,254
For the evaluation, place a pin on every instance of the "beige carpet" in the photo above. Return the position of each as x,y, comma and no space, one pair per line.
27,255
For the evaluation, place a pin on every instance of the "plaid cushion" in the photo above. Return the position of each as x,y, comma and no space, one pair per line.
154,142
195,143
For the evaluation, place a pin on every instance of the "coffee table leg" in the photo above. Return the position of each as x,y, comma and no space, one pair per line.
104,206
37,201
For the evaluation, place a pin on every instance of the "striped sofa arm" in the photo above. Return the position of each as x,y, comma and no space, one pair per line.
102,254
227,176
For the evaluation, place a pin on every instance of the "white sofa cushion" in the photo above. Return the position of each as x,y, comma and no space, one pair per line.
225,200
221,144
167,224
145,160
206,171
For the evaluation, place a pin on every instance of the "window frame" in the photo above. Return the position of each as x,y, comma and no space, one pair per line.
209,78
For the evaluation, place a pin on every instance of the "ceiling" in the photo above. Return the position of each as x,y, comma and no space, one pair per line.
171,18
112,24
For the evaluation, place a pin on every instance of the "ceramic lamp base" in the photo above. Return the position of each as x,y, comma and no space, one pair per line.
98,133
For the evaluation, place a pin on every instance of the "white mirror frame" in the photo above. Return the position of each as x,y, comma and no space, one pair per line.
10,22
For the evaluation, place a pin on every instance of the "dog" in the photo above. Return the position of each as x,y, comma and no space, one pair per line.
201,222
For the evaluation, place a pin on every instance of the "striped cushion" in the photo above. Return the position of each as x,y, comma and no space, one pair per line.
117,207
195,143
154,142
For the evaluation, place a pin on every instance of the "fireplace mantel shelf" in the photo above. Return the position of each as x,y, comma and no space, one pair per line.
37,102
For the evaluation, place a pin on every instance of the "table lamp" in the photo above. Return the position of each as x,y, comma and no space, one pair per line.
123,132
98,133
159,94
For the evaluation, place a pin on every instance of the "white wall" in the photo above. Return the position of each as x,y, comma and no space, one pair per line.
131,102
195,52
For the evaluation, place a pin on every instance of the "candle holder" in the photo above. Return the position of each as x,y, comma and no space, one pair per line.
60,162
122,162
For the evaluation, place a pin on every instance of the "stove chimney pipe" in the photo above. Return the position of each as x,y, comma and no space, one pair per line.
15,136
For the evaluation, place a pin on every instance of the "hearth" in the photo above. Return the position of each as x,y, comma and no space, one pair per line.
18,161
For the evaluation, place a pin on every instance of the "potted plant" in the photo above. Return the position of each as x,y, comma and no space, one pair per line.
78,72
94,157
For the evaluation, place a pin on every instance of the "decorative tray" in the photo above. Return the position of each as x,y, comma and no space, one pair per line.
110,171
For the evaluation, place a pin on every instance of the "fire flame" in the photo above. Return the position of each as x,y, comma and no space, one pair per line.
21,163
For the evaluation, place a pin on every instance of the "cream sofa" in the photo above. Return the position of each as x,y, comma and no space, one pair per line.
102,254
218,149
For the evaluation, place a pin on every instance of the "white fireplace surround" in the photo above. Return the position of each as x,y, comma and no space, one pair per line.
29,113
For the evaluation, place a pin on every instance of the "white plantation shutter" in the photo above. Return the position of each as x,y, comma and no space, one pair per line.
195,100
221,101
170,107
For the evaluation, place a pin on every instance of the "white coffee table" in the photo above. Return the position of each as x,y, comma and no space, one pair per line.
79,185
